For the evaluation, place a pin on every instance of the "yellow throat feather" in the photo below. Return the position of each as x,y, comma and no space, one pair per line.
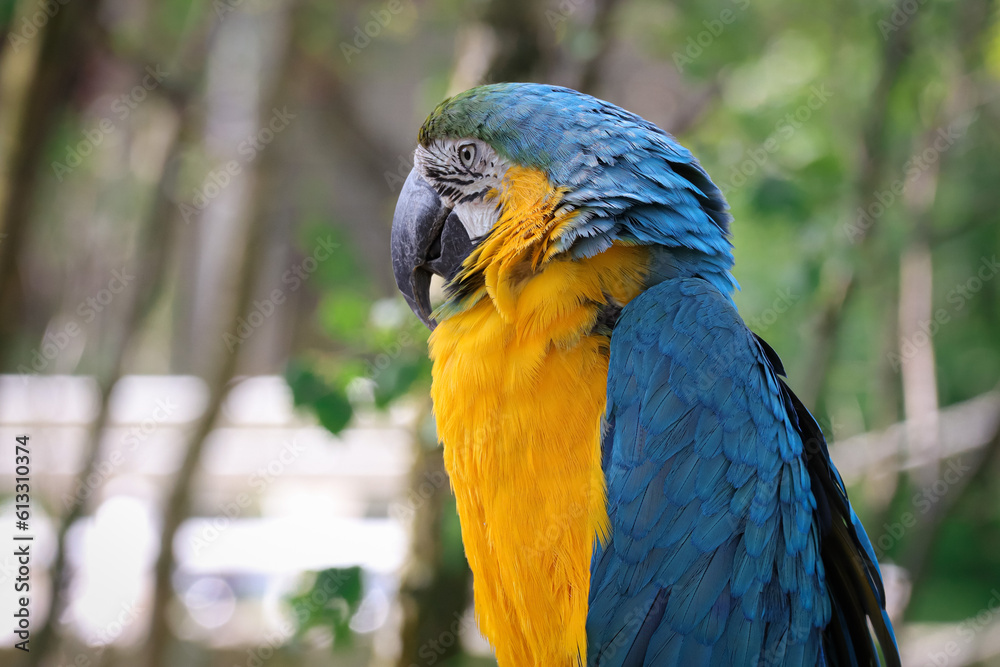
519,383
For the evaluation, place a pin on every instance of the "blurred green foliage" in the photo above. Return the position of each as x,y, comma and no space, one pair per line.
381,350
328,600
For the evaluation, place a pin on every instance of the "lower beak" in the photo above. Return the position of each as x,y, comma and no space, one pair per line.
427,238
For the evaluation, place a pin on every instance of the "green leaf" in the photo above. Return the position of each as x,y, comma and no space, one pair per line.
328,403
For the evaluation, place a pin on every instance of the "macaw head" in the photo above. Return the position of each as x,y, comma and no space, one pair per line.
517,174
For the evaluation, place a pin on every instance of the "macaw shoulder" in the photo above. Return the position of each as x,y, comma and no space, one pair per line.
681,355
689,319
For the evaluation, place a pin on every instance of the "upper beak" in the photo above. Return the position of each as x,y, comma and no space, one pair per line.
427,238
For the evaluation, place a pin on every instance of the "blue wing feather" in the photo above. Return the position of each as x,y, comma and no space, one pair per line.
715,527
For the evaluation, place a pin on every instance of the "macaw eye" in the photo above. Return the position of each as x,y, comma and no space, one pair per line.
467,154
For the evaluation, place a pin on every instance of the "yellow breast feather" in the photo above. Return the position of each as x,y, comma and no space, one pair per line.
519,383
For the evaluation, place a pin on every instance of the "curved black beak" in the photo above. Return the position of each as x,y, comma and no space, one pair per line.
427,238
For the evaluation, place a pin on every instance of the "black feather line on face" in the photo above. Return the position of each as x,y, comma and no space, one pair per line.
455,181
454,186
440,166
473,196
447,192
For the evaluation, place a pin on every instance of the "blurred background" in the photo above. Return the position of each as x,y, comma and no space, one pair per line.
232,457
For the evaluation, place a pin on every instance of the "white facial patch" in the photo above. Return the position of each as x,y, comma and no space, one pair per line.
479,217
463,172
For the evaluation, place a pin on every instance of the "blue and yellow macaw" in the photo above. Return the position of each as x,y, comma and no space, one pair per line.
636,483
